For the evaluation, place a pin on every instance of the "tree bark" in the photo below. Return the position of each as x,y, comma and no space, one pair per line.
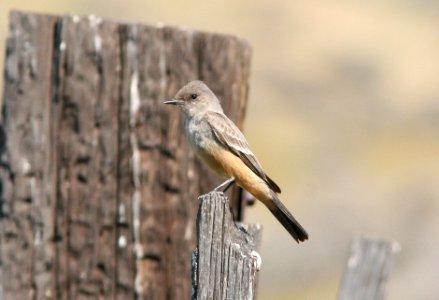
98,185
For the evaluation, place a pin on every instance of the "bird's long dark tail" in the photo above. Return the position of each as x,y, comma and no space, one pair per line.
286,218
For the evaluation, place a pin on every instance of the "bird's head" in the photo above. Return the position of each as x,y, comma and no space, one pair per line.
195,97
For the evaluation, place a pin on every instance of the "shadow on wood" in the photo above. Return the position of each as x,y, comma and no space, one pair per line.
225,263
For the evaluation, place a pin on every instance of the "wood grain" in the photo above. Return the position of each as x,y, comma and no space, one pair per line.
225,264
368,269
98,186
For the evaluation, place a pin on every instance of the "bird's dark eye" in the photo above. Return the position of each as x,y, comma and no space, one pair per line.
194,96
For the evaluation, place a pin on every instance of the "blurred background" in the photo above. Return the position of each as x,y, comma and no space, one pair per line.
343,114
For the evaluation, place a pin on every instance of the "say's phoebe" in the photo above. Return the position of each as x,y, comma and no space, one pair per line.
222,146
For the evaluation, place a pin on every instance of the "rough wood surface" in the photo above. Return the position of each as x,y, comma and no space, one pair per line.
27,175
225,262
87,157
367,269
98,186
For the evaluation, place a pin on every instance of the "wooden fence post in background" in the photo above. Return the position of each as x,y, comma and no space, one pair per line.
98,187
367,269
225,262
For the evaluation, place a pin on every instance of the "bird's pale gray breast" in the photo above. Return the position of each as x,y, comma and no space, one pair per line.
199,134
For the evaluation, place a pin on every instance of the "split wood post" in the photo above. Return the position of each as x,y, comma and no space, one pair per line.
98,187
226,262
368,269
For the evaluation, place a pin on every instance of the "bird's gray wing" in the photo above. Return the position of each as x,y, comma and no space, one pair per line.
232,139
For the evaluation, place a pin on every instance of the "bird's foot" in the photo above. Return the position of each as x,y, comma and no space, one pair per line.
223,187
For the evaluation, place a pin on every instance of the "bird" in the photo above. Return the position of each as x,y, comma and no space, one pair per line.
219,143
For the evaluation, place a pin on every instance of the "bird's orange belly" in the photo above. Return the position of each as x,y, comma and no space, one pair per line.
229,165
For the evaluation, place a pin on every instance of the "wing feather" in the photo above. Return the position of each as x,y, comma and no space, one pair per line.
232,138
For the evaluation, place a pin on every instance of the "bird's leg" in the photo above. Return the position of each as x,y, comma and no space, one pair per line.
223,187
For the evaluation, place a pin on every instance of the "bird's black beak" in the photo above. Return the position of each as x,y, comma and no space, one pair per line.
174,102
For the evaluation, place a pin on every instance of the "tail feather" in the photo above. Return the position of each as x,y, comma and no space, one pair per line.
286,219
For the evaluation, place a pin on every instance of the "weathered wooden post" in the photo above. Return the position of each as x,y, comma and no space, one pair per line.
368,268
226,260
98,188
